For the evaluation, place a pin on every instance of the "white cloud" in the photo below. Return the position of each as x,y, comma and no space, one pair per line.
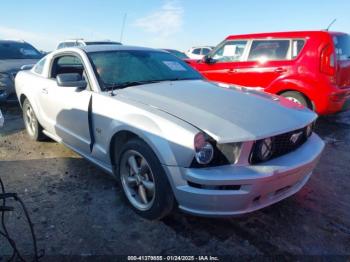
40,41
165,21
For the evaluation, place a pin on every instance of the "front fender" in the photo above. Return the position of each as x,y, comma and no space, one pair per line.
172,144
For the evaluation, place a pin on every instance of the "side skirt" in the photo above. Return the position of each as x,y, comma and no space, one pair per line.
106,168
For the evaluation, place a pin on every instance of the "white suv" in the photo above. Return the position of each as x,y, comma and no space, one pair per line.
198,52
82,42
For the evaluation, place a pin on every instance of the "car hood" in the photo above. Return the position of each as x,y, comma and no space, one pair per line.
14,65
228,114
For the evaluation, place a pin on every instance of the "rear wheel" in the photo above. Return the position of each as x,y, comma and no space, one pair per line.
297,98
34,129
143,180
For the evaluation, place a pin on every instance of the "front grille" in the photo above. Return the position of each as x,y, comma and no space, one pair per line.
281,145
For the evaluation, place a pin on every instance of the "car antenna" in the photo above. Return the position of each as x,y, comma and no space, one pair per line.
329,26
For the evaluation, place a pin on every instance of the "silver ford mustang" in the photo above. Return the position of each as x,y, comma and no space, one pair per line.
170,137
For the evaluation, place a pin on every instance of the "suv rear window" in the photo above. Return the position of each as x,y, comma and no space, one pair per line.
265,50
17,50
297,46
342,47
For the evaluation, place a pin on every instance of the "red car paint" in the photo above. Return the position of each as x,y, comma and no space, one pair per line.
319,71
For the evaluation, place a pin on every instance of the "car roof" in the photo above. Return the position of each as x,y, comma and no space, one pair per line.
87,41
169,49
286,34
100,41
206,46
11,41
101,48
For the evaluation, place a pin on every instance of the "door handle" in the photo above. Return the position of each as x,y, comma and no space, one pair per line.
44,91
280,70
231,71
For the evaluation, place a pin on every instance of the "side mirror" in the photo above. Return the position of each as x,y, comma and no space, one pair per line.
71,80
27,67
208,60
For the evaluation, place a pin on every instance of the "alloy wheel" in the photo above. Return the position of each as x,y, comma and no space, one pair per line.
30,120
137,180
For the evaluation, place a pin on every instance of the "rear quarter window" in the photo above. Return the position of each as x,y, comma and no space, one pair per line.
297,46
342,47
39,67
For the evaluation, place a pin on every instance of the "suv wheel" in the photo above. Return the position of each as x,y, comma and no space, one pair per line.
143,180
297,98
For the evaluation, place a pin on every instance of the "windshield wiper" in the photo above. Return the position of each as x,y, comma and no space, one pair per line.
129,83
113,86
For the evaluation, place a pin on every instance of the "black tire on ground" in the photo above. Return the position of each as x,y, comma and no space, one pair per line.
164,199
297,97
33,127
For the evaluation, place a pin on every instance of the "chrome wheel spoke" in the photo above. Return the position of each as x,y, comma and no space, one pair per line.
131,180
137,180
28,114
142,194
143,166
149,185
133,164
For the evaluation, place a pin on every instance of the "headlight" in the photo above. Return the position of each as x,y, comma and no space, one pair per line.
204,150
228,153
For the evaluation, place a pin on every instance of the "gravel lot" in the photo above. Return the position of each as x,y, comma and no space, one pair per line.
77,209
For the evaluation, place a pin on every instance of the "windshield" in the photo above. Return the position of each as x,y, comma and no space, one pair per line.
119,68
13,50
342,46
177,53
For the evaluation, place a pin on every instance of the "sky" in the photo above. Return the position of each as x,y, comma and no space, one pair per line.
178,24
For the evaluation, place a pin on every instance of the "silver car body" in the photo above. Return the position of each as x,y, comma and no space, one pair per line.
167,116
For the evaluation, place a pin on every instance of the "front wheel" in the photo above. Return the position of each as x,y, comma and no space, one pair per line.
34,129
143,180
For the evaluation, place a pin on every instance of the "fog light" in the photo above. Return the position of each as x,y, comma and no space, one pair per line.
265,149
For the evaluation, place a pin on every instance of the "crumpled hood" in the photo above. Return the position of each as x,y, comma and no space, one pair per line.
14,65
226,114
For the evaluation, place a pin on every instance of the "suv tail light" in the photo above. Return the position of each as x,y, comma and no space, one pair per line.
328,60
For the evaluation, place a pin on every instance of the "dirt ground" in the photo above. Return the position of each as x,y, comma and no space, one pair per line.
77,209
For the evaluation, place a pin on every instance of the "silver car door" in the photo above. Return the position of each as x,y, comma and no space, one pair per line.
67,108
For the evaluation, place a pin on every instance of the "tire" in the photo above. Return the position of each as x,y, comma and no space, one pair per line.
298,98
150,204
34,129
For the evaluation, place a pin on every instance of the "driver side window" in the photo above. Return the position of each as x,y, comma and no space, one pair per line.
230,51
68,64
